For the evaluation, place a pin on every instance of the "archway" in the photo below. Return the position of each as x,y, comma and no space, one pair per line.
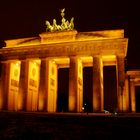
63,89
137,97
88,87
110,88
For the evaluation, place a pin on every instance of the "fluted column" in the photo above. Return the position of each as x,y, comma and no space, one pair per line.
1,86
42,104
4,85
132,94
29,84
126,95
13,87
79,86
98,100
75,85
120,82
23,85
48,89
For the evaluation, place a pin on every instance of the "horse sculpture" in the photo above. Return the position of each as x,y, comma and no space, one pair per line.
55,26
65,24
71,23
49,27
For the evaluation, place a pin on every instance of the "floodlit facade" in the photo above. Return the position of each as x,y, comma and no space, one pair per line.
133,79
29,70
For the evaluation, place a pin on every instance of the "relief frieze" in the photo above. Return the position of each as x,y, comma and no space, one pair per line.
72,48
14,83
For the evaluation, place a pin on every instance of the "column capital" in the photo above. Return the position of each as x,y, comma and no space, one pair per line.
98,55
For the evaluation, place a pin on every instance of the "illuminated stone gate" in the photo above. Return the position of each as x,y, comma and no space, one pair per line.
29,69
133,79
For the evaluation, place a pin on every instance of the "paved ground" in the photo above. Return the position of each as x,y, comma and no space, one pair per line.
67,126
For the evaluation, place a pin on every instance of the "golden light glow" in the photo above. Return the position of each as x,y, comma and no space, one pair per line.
67,49
109,57
51,85
20,102
63,62
109,60
1,101
22,42
72,103
95,104
14,75
79,85
134,76
33,84
41,103
17,64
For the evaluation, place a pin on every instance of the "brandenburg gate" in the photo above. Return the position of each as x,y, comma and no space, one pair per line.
29,69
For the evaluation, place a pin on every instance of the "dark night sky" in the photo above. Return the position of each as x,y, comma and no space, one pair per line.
27,19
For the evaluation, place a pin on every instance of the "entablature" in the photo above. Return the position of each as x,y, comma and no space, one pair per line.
91,47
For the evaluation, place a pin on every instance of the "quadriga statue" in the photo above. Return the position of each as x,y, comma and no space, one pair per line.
65,24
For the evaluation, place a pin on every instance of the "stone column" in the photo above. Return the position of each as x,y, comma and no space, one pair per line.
4,85
13,84
98,100
23,85
1,86
29,84
79,86
42,104
132,94
33,84
120,82
75,85
126,95
49,92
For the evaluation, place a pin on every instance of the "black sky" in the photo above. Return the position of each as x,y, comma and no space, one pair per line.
20,18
